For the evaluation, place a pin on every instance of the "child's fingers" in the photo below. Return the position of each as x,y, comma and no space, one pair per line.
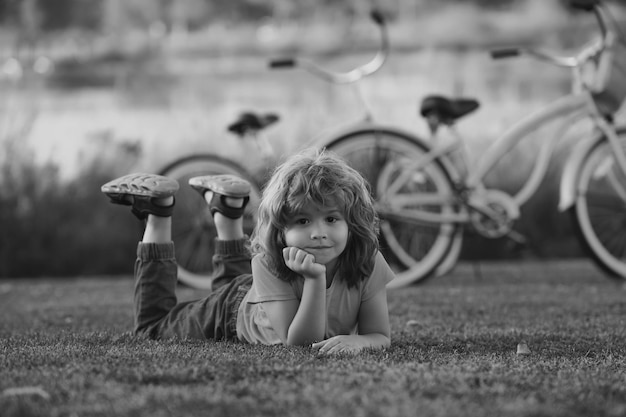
288,253
294,254
302,262
301,256
333,348
325,345
319,345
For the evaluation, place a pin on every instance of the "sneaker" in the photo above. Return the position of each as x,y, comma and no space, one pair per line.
223,186
139,191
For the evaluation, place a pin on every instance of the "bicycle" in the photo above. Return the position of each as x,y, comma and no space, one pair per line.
425,202
193,231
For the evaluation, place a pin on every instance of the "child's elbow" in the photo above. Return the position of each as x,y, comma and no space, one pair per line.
299,340
385,341
379,341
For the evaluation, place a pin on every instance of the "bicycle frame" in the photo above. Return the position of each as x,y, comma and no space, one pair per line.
568,107
471,194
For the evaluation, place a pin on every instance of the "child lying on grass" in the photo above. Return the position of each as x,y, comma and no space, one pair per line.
315,275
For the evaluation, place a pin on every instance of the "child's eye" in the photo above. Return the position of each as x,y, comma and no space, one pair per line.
332,219
301,221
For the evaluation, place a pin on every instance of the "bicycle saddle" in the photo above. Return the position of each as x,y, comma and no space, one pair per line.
445,109
250,121
584,4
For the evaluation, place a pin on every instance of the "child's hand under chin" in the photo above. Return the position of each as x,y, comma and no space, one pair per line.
303,263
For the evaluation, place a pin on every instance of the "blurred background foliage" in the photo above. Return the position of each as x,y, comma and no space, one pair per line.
97,15
93,89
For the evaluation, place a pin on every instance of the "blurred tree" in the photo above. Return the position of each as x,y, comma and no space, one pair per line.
62,14
491,4
9,10
193,14
241,9
121,15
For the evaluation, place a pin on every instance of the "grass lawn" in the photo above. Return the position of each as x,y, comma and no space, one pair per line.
66,350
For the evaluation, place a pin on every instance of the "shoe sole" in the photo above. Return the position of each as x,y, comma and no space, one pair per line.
228,185
140,184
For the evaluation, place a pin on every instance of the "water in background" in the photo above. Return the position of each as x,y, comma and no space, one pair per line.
173,107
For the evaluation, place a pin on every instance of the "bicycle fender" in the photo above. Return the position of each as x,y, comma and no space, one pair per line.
567,189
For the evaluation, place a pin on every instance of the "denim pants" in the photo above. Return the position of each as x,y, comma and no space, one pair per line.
158,315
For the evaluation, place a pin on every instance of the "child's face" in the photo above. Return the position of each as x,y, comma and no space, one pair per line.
321,231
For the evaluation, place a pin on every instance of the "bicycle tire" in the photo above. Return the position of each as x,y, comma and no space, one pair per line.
599,211
193,231
413,250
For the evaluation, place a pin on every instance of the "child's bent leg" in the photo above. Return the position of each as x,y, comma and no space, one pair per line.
231,259
227,197
158,315
155,273
152,200
155,286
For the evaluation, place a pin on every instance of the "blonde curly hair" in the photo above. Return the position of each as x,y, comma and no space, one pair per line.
319,177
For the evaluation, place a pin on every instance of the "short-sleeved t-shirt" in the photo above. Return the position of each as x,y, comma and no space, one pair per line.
342,303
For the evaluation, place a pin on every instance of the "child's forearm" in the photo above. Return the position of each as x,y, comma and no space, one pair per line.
309,323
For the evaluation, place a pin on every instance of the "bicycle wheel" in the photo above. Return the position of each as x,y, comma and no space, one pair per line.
599,212
413,248
193,231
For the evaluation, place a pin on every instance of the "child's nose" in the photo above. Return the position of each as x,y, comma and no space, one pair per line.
318,232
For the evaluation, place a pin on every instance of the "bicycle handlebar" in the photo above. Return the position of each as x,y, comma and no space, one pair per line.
590,51
561,61
283,63
505,53
347,77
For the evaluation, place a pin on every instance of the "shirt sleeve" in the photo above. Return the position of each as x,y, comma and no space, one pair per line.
380,277
266,286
